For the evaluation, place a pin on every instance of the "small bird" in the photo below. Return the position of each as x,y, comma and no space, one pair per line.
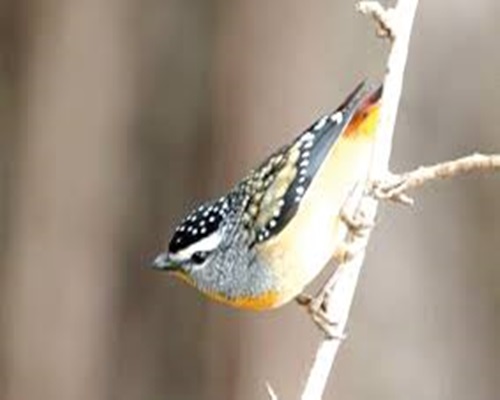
258,246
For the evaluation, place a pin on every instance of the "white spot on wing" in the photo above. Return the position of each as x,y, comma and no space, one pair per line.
307,137
337,118
308,144
321,123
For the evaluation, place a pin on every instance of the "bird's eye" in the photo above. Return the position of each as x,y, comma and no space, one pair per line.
199,257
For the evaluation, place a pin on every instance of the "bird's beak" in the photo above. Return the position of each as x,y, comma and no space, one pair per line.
163,261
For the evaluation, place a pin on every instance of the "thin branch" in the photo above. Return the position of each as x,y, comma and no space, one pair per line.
337,299
270,391
395,187
401,19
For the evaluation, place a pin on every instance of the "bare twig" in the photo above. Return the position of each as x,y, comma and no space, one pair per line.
271,392
337,298
397,185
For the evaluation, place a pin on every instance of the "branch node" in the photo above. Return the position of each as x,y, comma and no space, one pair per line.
383,17
356,223
393,188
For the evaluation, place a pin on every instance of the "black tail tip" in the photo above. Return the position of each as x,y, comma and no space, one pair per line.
364,92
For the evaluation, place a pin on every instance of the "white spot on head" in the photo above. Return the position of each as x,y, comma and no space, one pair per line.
202,222
203,230
211,219
206,213
303,171
304,163
298,199
306,154
302,179
277,213
272,223
195,231
300,189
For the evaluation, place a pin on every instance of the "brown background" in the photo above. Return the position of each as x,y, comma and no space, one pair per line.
117,116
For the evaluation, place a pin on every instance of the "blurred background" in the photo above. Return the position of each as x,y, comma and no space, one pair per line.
117,116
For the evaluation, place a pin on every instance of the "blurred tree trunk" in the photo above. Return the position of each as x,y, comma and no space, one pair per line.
159,352
68,200
10,51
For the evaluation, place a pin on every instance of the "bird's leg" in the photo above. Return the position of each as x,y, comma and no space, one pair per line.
358,225
304,299
316,307
357,222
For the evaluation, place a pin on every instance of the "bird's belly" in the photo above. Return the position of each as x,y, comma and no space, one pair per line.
308,242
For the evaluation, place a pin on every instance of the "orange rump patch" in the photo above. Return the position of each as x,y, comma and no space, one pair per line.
364,123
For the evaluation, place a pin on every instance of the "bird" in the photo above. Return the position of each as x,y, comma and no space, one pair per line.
261,244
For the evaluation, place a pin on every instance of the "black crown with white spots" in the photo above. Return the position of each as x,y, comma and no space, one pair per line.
200,223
